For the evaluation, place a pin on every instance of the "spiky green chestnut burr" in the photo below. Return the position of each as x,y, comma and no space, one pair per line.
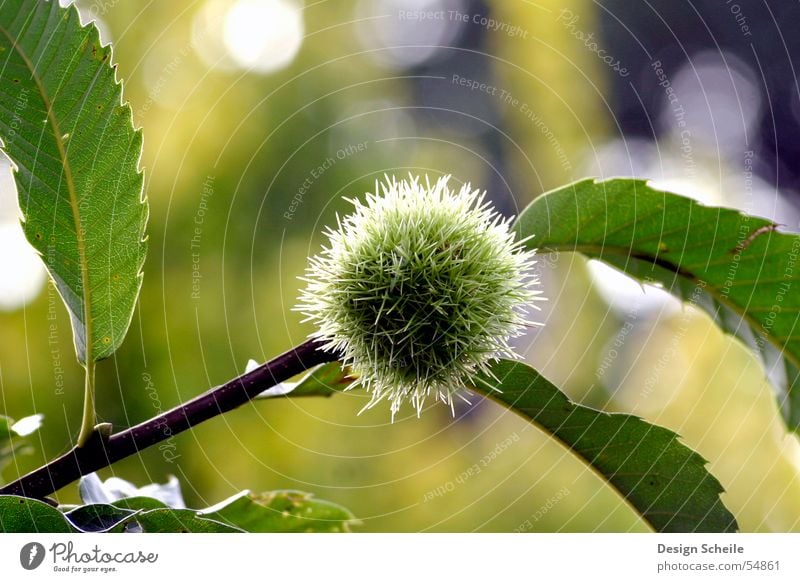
418,289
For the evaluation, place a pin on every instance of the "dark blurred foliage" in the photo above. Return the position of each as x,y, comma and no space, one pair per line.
754,39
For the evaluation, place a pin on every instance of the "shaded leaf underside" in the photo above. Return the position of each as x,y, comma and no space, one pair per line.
738,268
76,155
276,511
662,479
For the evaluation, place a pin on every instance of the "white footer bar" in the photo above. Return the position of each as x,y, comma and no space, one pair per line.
408,557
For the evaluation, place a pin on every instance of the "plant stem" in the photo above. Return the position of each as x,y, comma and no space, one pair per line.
89,418
102,450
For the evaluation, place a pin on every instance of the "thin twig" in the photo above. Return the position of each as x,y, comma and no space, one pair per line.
102,449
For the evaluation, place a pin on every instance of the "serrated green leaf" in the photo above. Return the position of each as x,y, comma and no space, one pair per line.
736,267
280,511
145,503
174,521
76,154
98,517
23,515
662,479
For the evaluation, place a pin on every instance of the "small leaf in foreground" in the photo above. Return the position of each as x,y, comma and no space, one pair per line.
281,511
98,518
145,503
23,515
173,521
324,380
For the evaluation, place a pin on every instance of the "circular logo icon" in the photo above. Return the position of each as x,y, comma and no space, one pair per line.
31,555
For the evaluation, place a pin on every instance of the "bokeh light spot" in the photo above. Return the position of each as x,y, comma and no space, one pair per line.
263,35
22,274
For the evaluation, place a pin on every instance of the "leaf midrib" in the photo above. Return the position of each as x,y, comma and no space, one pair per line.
73,196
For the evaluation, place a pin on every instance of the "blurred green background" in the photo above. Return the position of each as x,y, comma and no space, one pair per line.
258,117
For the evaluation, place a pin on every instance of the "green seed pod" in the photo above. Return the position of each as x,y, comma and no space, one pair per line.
418,289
